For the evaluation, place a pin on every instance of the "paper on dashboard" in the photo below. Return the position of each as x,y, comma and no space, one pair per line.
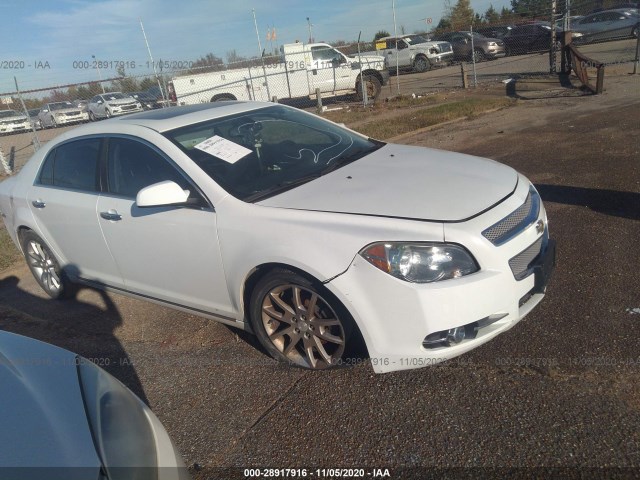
223,149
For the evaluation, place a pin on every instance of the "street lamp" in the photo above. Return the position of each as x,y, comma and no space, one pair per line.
99,76
310,30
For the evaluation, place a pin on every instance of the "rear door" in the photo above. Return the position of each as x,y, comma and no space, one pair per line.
63,202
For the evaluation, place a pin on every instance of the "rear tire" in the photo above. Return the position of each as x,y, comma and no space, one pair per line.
225,97
45,267
372,85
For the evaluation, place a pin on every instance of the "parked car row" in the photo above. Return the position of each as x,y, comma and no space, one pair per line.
55,114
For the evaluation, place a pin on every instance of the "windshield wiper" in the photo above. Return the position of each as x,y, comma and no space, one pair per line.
281,187
352,157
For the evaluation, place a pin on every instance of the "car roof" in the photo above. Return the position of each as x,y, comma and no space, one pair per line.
164,119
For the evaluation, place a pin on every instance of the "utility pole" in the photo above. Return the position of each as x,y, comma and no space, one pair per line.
155,72
99,76
310,25
261,53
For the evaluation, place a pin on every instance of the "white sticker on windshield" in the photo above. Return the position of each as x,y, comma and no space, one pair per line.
224,149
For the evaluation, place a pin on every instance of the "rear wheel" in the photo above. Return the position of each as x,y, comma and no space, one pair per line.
298,321
44,266
372,86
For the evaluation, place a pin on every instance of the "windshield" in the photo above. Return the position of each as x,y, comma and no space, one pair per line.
263,152
60,105
415,39
9,113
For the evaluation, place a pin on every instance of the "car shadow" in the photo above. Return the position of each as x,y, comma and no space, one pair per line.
609,202
74,324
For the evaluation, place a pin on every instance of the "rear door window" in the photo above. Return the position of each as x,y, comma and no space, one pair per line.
73,165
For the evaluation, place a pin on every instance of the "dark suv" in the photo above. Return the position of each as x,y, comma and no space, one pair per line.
483,48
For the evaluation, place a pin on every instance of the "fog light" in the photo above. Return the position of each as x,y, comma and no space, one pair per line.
455,335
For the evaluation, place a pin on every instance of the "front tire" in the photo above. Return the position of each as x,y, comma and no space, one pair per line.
45,267
478,55
421,65
299,322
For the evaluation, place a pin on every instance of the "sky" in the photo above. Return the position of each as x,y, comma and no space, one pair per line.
50,43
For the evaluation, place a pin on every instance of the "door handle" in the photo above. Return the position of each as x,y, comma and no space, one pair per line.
38,203
111,215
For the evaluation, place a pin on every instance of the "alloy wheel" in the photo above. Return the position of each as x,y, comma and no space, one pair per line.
44,267
302,326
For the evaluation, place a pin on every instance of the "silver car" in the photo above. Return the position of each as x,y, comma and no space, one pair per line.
608,25
12,121
65,418
112,104
55,114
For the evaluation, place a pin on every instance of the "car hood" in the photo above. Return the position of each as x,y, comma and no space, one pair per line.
406,182
41,411
67,110
15,118
122,101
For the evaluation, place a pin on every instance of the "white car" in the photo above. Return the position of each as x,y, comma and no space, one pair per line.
112,104
12,121
56,114
276,221
63,415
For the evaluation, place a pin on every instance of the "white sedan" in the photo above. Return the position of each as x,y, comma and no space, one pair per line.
312,236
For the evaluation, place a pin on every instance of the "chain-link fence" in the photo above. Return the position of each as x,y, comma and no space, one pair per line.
523,41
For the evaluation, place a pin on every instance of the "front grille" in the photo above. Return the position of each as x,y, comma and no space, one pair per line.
516,221
520,263
128,107
72,114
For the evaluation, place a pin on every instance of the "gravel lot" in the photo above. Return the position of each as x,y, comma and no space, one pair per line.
560,390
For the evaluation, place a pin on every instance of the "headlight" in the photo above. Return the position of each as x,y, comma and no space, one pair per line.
119,425
576,34
493,44
139,105
421,262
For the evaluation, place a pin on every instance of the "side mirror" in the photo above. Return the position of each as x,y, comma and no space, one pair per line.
162,194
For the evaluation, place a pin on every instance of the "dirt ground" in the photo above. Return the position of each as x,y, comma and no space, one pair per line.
558,395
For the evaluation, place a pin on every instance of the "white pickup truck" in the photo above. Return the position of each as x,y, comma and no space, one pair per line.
413,52
301,70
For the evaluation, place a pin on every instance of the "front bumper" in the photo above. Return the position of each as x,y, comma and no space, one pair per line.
15,127
496,52
396,317
442,58
115,111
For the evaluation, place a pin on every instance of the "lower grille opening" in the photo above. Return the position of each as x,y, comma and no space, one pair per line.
454,336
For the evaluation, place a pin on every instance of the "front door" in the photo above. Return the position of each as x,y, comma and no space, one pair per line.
167,253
